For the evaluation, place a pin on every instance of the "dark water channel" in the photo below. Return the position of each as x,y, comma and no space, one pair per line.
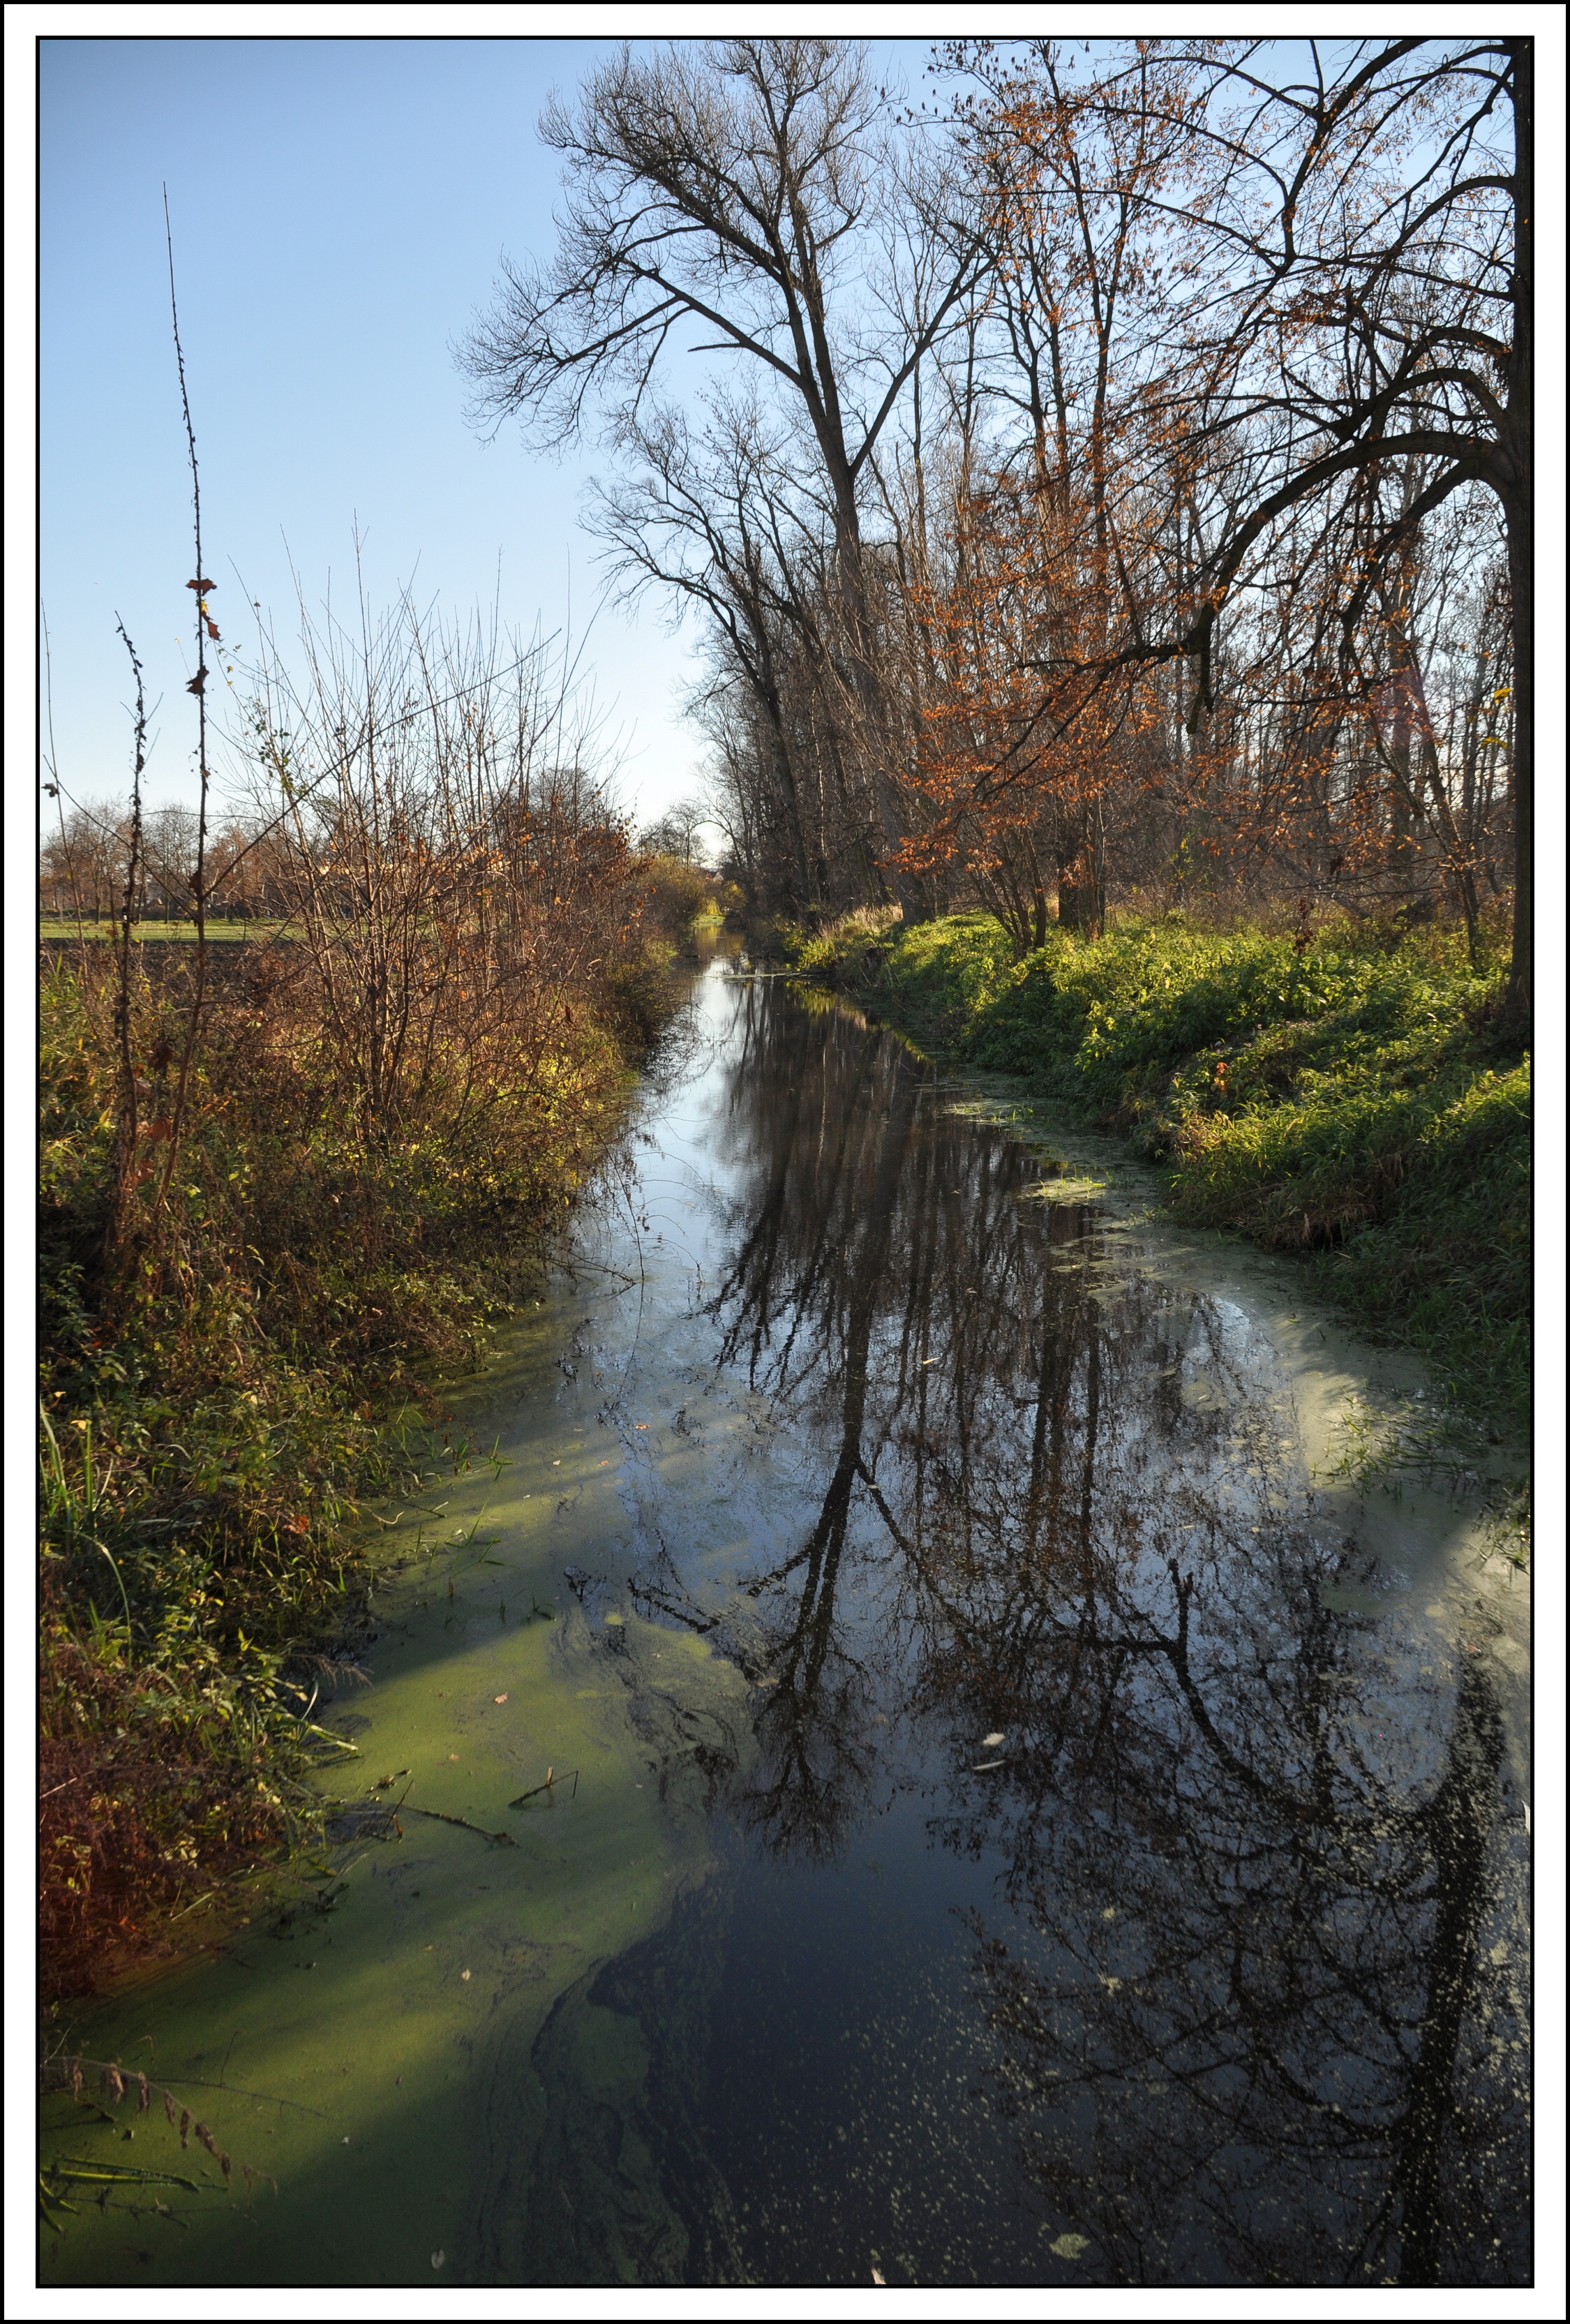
1027,1832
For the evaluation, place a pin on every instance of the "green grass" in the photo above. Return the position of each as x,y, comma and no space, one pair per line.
60,927
1351,1102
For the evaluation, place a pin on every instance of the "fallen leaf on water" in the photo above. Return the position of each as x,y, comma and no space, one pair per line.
1070,2246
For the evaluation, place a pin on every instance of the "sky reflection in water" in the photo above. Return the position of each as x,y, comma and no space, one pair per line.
1234,1958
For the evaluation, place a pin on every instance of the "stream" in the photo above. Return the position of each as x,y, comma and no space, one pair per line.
903,1765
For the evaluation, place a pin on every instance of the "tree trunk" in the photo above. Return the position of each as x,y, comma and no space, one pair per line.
1518,991
871,701
1082,876
767,693
1518,446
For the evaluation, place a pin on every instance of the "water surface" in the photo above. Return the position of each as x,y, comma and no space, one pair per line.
1008,1823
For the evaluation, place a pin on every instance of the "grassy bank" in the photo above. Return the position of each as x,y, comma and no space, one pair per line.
1348,1099
231,1369
60,928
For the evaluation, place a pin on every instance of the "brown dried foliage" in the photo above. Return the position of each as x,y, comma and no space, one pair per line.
133,1800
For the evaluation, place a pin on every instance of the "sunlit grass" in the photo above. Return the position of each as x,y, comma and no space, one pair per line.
67,928
1349,1098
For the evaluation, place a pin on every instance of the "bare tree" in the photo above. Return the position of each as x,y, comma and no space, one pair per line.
451,868
675,832
749,188
81,865
706,517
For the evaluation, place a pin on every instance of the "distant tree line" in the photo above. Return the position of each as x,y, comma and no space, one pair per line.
86,860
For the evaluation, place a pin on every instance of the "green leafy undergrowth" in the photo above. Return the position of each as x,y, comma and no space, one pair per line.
1350,1099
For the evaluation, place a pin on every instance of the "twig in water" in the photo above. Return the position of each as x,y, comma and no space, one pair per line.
465,1825
550,1783
65,2071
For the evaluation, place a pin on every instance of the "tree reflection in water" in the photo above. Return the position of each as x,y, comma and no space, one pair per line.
1254,2002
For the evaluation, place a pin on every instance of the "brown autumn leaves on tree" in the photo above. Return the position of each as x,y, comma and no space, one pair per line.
1116,472
1270,350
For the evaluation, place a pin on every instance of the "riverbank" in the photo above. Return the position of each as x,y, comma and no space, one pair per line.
864,1437
220,1398
1348,1099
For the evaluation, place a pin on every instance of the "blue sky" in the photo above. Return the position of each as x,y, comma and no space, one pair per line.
339,208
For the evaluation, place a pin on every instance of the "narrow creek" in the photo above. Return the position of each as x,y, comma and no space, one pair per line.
1011,1820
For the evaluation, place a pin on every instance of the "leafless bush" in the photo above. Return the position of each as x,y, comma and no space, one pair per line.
454,878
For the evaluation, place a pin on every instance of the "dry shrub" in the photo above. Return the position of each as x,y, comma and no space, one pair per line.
390,1098
143,1792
